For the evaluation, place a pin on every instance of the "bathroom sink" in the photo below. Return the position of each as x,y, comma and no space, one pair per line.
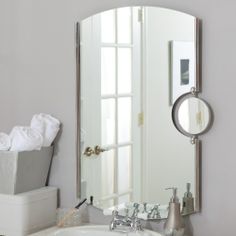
98,231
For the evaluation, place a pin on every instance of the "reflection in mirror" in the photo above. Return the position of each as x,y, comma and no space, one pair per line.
194,115
126,96
191,115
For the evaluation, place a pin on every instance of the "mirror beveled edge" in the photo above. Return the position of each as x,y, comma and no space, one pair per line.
197,143
78,110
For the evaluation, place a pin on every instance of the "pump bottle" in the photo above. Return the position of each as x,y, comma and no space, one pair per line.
174,225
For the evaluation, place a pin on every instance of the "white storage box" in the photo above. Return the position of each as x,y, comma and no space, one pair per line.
29,212
24,171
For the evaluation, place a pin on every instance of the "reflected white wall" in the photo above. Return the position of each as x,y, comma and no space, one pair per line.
170,156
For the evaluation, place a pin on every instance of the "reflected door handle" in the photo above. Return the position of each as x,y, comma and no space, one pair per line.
88,151
98,150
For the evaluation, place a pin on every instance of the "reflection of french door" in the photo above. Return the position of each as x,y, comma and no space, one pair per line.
114,49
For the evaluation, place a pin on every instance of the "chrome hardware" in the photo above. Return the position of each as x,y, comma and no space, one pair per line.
136,210
98,150
132,223
145,207
88,151
193,91
136,224
193,139
154,213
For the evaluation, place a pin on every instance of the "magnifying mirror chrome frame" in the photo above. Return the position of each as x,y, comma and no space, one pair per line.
175,112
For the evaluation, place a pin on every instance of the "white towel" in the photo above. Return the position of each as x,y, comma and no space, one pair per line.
25,139
48,127
5,142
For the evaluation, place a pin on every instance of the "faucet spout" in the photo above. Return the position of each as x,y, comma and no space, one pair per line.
133,224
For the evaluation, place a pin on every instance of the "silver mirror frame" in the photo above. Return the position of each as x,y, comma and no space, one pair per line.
78,109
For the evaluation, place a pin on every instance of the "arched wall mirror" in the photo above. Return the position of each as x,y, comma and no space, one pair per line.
134,64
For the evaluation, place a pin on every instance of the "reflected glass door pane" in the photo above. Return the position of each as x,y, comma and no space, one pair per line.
124,119
183,115
124,167
108,121
108,70
107,204
124,25
124,70
124,199
107,162
108,26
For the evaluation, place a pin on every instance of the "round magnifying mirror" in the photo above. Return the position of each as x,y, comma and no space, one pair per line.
191,115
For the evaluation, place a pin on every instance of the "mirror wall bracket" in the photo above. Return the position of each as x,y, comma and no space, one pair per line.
193,139
194,91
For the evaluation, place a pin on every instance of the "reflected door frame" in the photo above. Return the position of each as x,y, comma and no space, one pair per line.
93,45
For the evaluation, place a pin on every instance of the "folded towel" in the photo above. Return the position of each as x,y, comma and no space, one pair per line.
25,139
47,126
5,142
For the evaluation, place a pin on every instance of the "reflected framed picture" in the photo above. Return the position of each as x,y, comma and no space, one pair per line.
183,68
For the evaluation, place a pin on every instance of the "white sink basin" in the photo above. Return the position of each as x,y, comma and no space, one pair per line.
97,230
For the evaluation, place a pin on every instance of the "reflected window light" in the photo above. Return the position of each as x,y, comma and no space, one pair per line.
108,26
124,25
183,118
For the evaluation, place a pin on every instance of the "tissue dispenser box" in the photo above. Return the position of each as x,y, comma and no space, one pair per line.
24,171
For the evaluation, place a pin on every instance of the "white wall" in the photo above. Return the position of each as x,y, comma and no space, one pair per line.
37,61
167,151
26,25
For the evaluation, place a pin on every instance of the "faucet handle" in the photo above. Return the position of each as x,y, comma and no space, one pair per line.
156,207
136,210
156,212
136,207
115,213
145,207
136,224
112,225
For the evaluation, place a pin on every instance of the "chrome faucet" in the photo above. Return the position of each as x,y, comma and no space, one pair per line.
145,207
136,210
132,223
154,213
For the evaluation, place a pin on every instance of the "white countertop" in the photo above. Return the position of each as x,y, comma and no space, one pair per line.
44,232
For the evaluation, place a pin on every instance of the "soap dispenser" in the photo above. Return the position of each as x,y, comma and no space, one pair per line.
188,202
174,225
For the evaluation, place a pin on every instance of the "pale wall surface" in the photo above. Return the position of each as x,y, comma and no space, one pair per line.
44,74
165,147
